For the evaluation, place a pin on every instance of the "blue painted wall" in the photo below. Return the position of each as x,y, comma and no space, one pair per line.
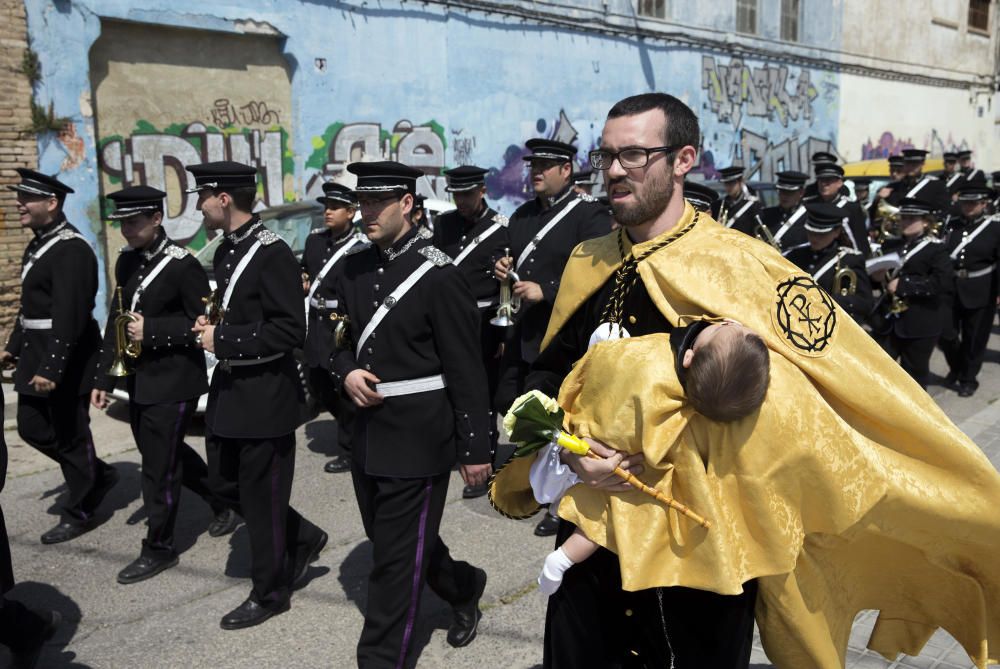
439,87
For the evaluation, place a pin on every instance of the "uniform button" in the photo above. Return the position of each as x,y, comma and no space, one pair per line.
232,251
531,260
372,336
380,270
628,612
376,286
368,367
370,351
375,303
631,319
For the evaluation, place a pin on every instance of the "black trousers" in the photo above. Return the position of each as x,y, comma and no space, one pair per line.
341,408
510,384
58,426
966,347
914,355
167,464
254,478
592,622
402,518
490,338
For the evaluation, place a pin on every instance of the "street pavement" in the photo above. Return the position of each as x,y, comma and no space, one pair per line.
173,620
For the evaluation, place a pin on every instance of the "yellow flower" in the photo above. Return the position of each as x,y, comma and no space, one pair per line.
548,403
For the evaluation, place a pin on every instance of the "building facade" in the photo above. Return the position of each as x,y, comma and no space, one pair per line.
301,88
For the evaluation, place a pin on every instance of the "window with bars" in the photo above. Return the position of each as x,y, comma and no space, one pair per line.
790,20
656,9
979,15
746,16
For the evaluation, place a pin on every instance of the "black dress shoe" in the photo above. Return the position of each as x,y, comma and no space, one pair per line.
65,531
225,522
144,567
338,464
302,564
467,616
28,658
473,491
951,381
967,388
547,526
250,613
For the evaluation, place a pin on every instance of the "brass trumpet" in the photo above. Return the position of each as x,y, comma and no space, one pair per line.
341,331
764,234
510,304
124,347
213,307
845,275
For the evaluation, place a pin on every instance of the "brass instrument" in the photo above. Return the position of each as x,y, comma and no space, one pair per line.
510,304
763,234
341,331
898,305
888,218
845,275
124,347
213,307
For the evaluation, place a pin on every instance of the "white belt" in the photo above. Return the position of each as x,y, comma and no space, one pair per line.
36,323
317,303
965,274
411,387
226,365
484,304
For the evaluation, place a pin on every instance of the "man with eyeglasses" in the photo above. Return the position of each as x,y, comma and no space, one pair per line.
412,367
542,233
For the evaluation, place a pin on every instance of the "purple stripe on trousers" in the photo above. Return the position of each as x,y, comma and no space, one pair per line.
277,519
171,459
411,613
91,451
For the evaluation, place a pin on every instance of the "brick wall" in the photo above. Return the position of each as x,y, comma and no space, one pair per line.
18,148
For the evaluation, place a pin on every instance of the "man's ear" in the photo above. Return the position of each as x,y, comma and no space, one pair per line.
157,218
686,160
688,358
406,202
566,169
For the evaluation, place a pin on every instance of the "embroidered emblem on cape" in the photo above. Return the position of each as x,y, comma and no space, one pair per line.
267,237
804,315
435,255
176,252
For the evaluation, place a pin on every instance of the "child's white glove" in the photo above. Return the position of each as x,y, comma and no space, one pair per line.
556,564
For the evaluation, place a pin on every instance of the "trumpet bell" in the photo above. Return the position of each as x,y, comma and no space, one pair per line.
119,369
502,321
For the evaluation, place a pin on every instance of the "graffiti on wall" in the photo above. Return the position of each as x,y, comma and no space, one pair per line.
157,157
764,158
419,146
889,145
771,92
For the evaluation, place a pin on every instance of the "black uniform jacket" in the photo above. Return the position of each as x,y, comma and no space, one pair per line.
320,247
265,317
61,285
170,368
453,233
432,329
859,303
857,225
742,214
925,282
544,266
978,256
795,234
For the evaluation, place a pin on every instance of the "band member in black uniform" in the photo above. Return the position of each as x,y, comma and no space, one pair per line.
914,305
584,182
543,232
739,209
23,630
896,166
55,343
475,236
965,161
420,218
591,621
255,398
322,261
973,243
835,266
862,191
786,220
413,367
701,196
830,188
148,339
951,175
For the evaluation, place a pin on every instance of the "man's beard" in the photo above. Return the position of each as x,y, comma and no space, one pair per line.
648,205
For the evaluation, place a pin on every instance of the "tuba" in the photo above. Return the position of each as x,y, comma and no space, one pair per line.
124,348
510,304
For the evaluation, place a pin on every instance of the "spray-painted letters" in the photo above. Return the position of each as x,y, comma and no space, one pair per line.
734,89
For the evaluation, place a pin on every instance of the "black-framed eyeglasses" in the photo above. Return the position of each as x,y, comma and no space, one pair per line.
630,158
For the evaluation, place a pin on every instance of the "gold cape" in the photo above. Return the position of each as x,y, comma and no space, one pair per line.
849,490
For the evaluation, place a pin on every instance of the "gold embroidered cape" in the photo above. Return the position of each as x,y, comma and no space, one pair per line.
849,490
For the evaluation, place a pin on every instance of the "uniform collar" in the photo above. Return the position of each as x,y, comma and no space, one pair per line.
404,244
156,247
343,237
50,229
241,233
549,202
